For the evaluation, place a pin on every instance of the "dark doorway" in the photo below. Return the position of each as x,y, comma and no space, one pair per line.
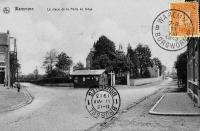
2,77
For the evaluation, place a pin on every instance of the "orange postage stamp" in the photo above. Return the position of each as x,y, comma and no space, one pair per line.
183,26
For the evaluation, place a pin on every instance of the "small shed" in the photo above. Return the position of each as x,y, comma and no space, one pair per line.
89,78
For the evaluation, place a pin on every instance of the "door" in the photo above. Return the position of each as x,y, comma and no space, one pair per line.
2,77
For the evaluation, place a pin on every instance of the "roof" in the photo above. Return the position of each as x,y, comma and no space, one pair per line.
88,72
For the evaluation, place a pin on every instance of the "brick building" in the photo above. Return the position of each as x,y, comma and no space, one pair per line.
5,73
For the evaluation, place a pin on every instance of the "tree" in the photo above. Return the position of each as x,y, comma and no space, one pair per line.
134,62
104,55
181,67
56,73
14,67
158,63
64,62
143,53
36,73
50,61
122,64
79,66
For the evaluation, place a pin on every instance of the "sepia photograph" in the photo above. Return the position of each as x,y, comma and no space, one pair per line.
99,65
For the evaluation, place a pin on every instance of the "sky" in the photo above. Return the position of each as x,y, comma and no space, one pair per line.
74,32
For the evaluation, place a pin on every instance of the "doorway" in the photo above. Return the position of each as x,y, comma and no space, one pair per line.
2,77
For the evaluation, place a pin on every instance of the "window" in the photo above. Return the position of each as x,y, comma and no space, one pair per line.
2,57
84,79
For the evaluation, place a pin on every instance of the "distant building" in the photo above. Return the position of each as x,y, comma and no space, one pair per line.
89,78
153,71
120,50
89,58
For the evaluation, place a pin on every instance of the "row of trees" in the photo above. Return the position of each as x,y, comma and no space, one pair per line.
106,56
57,64
135,60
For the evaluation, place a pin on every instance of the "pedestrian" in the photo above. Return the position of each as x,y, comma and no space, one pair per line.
4,83
11,84
18,87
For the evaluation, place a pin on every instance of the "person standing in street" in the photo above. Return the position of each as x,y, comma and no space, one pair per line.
18,86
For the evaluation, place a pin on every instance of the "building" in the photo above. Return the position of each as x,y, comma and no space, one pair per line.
89,78
4,58
193,72
89,58
153,71
5,52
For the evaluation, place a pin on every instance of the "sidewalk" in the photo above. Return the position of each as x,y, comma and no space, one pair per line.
10,99
175,104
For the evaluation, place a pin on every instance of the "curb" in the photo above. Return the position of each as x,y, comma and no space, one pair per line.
152,112
28,96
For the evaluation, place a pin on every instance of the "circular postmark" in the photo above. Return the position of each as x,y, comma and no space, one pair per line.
102,102
172,30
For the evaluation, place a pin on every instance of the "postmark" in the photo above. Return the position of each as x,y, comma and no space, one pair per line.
102,102
163,27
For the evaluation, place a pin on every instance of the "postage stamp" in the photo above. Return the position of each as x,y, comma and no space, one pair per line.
163,27
102,102
183,26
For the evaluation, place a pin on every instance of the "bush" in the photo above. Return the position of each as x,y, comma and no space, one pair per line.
53,80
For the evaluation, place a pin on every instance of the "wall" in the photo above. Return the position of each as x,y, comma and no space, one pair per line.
142,81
